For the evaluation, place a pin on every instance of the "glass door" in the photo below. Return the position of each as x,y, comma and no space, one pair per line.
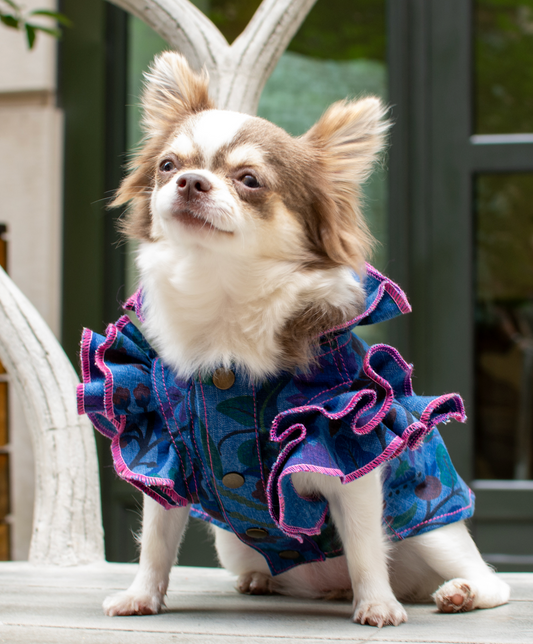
461,215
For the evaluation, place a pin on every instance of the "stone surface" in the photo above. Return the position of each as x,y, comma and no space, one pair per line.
49,605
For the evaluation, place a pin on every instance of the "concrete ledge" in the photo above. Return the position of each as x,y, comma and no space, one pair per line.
63,605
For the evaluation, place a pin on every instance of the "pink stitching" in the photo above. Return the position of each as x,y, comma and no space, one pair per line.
111,334
386,285
179,432
336,359
125,473
392,529
80,398
216,489
337,347
122,322
133,303
448,514
357,396
196,446
86,339
342,359
167,423
325,391
257,439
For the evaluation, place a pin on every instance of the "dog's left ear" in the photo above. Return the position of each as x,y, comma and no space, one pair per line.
346,142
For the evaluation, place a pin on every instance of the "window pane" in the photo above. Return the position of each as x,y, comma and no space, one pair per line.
504,326
503,66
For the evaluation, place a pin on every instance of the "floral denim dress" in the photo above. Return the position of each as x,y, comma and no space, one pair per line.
228,447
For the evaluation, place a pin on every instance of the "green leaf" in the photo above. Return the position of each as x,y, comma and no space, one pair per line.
211,452
56,33
12,4
402,469
243,500
403,519
247,452
54,15
448,475
30,35
240,409
10,21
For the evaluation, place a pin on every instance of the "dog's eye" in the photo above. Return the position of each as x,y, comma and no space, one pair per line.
166,166
250,181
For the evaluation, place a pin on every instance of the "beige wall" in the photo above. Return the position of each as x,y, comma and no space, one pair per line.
30,204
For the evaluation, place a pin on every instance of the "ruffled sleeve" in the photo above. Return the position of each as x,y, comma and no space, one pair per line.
119,394
347,435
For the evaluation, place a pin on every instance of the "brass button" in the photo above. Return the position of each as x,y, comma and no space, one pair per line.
256,533
289,554
233,480
223,378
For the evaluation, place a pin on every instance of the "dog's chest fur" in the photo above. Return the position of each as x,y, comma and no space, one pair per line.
204,310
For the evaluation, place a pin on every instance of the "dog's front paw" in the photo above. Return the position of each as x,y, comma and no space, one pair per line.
132,603
455,596
254,583
380,613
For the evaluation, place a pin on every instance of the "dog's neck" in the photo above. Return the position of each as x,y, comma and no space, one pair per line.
204,310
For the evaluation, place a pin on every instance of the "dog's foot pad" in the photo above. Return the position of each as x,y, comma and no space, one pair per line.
255,583
380,613
128,603
455,596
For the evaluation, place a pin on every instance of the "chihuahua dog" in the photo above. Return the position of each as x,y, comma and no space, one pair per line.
248,240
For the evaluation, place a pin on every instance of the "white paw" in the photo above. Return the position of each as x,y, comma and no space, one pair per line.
132,603
254,583
380,613
455,596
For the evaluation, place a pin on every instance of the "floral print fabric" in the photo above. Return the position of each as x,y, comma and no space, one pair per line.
355,410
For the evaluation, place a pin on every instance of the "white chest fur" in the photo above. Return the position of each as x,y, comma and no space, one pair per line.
204,310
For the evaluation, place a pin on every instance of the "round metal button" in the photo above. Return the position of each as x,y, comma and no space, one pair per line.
256,533
223,378
289,554
233,480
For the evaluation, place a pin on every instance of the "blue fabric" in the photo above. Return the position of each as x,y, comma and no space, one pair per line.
355,410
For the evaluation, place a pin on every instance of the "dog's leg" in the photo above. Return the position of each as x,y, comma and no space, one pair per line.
468,582
254,577
161,535
356,509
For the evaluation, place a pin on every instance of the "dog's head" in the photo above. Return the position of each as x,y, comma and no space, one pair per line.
239,184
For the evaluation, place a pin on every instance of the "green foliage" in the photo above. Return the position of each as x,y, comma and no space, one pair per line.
333,30
504,66
448,475
13,15
404,519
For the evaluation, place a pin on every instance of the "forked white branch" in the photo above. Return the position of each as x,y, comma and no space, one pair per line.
238,72
67,521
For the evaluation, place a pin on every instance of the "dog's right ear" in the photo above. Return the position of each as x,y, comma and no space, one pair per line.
173,91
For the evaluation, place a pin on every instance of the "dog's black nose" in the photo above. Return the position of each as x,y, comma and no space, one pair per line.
190,185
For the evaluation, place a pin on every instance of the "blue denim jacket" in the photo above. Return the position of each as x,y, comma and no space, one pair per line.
178,440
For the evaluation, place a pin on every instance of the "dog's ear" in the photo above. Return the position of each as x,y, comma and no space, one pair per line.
346,142
172,93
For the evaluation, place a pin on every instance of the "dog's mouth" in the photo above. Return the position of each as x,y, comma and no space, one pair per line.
196,221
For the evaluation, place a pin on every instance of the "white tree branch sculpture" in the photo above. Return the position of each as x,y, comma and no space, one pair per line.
238,72
67,521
